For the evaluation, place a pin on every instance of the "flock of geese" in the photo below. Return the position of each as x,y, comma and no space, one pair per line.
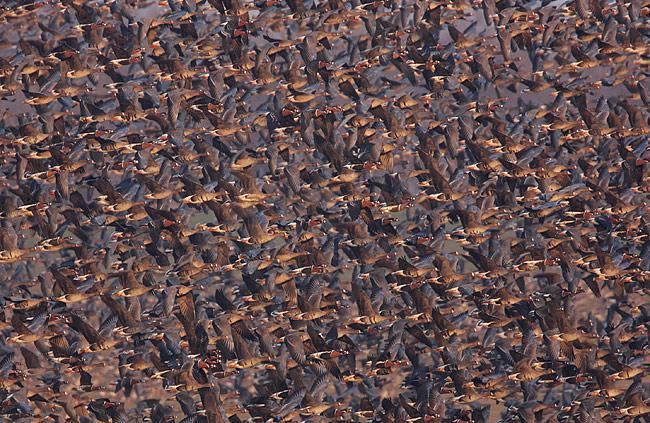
324,210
